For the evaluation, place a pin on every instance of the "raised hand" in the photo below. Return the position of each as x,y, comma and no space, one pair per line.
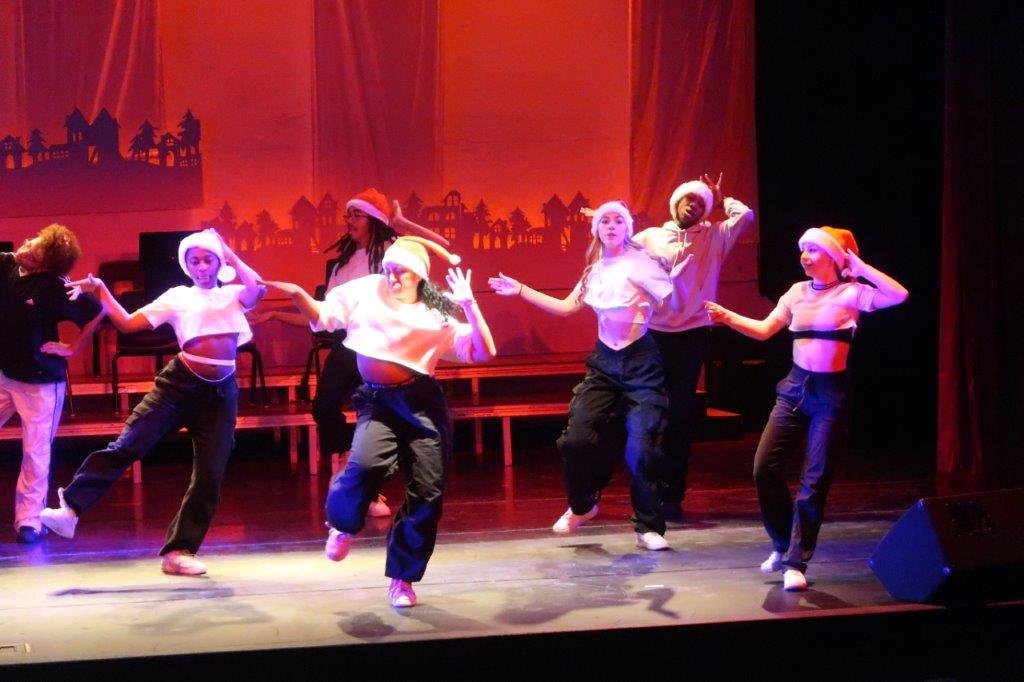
396,211
461,291
587,211
715,186
854,265
503,285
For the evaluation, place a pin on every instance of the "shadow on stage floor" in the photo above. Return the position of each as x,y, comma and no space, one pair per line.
502,597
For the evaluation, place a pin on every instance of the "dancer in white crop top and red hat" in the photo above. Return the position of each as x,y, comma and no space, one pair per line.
624,286
197,389
399,325
812,402
371,226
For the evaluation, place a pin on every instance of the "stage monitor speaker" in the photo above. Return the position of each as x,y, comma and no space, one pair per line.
961,548
158,258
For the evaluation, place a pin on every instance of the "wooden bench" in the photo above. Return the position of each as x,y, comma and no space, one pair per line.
295,415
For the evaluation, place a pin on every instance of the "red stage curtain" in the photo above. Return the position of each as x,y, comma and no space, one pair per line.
692,69
979,408
90,55
377,118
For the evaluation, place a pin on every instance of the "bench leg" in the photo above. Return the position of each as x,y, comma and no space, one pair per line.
478,438
506,439
314,451
293,444
137,471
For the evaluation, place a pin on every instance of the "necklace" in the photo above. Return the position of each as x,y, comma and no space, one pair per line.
825,287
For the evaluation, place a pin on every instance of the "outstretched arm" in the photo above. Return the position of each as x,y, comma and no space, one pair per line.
462,295
402,225
503,285
889,291
308,306
755,329
123,321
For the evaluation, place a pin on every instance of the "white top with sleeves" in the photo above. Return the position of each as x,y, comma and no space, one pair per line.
804,309
357,266
380,326
627,287
194,311
709,243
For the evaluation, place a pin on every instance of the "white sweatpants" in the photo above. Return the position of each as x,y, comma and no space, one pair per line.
39,407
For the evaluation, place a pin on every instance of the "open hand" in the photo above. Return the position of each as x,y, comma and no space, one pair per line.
57,348
461,290
284,287
503,285
87,284
715,186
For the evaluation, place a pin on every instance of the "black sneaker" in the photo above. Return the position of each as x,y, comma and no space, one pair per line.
27,535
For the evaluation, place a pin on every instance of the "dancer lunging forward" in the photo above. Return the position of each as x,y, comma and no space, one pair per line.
196,389
399,325
813,400
624,373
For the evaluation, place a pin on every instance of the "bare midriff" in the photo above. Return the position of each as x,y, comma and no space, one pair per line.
617,334
216,346
382,371
820,355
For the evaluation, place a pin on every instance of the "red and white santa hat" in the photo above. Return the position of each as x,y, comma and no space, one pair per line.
371,202
835,241
412,254
211,241
616,206
692,187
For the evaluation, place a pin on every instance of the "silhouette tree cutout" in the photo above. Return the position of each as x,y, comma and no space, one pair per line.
189,133
143,142
36,145
266,228
519,227
413,206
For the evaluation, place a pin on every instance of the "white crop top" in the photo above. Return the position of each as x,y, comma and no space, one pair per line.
194,311
627,287
380,326
804,309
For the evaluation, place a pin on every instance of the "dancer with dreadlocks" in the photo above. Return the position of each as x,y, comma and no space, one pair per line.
371,227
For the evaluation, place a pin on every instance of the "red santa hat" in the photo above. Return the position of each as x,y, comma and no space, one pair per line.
835,241
371,202
211,242
412,254
618,207
692,187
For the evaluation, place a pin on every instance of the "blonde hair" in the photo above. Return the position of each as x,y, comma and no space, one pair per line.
595,252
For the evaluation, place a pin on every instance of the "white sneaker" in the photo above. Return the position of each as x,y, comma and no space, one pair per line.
62,520
652,541
180,562
794,580
401,594
569,522
379,508
772,563
338,544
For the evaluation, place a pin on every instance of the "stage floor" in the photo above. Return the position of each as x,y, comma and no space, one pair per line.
497,570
